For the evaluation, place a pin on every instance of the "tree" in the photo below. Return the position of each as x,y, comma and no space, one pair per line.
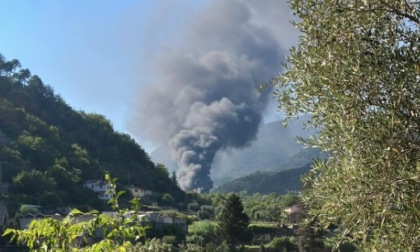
37,150
167,200
201,232
28,209
233,222
284,244
356,71
9,67
33,182
119,232
163,171
173,178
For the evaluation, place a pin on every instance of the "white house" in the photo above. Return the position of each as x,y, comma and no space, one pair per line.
162,221
100,187
139,192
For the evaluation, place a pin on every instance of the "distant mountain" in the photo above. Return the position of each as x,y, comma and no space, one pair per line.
267,182
274,149
48,150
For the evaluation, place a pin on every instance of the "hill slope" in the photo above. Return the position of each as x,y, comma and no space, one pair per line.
48,149
267,182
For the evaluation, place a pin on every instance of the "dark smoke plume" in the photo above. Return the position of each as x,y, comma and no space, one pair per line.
207,95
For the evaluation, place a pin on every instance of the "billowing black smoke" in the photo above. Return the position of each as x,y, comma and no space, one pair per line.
207,96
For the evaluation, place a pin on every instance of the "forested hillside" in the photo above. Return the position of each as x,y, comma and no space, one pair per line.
48,150
280,179
267,182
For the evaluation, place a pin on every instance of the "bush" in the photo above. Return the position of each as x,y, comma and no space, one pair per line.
169,239
167,200
193,207
206,212
347,247
154,245
282,243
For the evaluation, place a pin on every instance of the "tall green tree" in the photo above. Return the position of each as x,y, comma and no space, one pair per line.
356,71
233,222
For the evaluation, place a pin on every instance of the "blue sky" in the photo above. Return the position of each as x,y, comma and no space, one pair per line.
96,54
88,50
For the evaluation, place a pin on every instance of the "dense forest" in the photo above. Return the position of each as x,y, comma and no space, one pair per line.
48,149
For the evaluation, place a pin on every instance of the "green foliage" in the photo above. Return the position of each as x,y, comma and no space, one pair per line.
36,150
117,232
262,247
190,247
161,168
233,222
267,182
202,232
347,247
201,198
206,212
211,247
169,239
194,206
356,71
263,228
282,244
267,207
28,209
40,132
33,182
153,245
167,200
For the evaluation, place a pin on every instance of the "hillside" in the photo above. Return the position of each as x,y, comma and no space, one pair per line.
281,180
267,182
48,150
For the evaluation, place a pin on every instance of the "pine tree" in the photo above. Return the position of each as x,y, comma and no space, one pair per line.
233,222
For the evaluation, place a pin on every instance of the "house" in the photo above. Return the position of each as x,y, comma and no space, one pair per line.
139,192
293,214
161,221
156,220
101,187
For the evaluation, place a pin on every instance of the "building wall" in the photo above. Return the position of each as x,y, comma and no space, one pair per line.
100,187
